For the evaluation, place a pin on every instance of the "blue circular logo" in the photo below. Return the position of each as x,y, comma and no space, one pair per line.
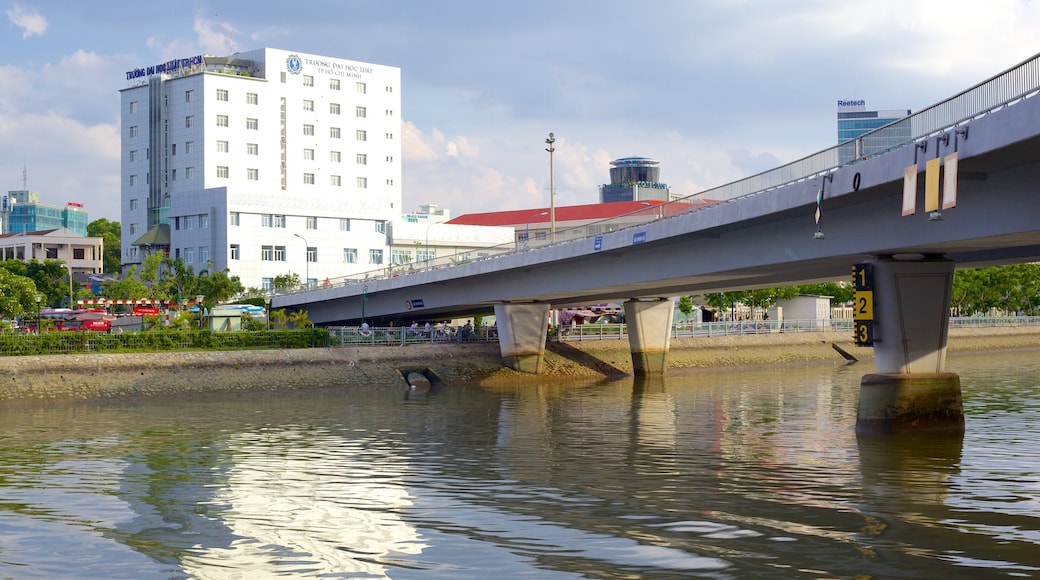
294,64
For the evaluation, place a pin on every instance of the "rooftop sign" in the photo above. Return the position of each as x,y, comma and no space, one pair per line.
170,66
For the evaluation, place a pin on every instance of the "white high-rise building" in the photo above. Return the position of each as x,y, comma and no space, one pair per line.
266,163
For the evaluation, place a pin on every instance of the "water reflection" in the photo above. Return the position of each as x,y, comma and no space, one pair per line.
729,473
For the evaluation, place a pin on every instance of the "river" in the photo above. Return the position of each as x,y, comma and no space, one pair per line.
724,473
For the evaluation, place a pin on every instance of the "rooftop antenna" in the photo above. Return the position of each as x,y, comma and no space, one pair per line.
25,176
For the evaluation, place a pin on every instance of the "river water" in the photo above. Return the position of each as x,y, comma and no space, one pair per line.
712,473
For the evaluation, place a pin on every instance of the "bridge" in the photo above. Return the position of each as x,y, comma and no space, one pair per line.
962,192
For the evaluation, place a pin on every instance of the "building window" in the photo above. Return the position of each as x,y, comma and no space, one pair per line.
334,108
222,146
203,254
344,224
361,112
236,252
308,154
350,255
252,124
253,174
222,171
334,84
133,229
189,222
362,183
133,155
335,180
189,147
362,159
362,135
236,218
308,81
222,120
389,159
334,132
189,172
267,283
222,94
267,220
252,99
189,95
400,257
362,88
335,156
133,107
279,221
189,121
381,227
312,223
389,112
267,253
308,105
133,204
308,179
308,129
173,149
389,135
133,130
279,253
389,181
203,221
252,149
189,255
173,175
389,89
312,254
375,256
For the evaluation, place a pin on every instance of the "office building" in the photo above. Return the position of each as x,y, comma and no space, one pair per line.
634,179
854,124
264,163
23,213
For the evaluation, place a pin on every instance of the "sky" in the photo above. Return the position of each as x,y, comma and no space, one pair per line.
714,90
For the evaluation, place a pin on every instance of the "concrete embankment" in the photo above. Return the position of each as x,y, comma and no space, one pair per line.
87,376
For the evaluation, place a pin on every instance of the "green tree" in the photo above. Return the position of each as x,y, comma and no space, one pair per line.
17,294
218,286
129,288
111,235
286,281
685,305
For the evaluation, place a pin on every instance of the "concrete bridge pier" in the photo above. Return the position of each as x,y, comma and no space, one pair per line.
910,390
649,334
521,335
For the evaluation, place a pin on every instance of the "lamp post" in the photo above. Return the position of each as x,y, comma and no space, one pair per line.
552,190
71,304
202,309
307,261
364,298
39,298
428,244
527,227
267,309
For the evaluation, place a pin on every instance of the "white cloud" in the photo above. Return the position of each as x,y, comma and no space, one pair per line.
30,21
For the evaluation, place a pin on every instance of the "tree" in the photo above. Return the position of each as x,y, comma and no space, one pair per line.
111,235
17,294
685,305
218,286
285,281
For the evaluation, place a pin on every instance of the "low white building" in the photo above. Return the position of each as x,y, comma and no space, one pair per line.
84,255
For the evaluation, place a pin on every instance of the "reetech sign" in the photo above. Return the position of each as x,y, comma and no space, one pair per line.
171,67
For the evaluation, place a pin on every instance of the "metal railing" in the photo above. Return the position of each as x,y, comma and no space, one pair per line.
1001,90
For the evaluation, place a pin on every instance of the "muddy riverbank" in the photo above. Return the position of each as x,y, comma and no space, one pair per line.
85,376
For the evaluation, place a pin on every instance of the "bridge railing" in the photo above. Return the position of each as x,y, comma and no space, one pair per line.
1001,90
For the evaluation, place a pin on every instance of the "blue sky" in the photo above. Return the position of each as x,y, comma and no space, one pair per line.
715,91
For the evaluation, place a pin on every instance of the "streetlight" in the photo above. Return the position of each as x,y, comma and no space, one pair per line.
552,190
364,298
428,243
39,298
527,227
202,309
267,309
307,261
69,268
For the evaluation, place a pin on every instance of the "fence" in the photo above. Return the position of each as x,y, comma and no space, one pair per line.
15,344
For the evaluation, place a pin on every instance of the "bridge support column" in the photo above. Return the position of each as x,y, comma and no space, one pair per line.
649,334
521,335
911,390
